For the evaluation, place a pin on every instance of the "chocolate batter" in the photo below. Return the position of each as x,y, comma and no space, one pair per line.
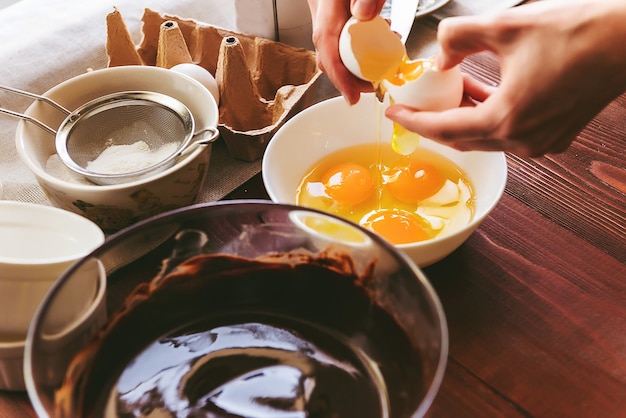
224,336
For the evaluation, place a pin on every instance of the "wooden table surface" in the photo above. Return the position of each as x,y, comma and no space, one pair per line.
536,298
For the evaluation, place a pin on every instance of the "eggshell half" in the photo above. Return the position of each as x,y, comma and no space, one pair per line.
369,49
434,90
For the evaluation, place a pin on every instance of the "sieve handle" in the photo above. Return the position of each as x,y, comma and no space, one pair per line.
28,118
37,97
205,138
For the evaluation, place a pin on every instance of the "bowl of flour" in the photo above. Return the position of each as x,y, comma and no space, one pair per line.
114,207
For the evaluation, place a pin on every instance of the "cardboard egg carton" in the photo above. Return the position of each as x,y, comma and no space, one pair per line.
262,83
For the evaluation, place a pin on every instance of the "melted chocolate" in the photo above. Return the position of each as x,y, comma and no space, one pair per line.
259,338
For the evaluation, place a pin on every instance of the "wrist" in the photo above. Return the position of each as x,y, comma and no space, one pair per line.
609,33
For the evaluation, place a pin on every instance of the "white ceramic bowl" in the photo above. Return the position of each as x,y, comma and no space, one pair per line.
38,243
116,206
332,125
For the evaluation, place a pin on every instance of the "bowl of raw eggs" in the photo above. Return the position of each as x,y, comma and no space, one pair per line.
353,162
421,196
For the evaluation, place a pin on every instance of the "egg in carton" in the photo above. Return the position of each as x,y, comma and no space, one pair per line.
262,83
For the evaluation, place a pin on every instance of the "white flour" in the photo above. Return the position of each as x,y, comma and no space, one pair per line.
56,168
120,159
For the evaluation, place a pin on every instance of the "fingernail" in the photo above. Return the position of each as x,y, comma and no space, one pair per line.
364,9
392,111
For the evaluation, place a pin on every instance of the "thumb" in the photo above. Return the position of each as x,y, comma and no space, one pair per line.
366,9
459,37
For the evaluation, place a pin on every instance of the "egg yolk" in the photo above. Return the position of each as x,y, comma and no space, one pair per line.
409,71
413,182
397,226
348,183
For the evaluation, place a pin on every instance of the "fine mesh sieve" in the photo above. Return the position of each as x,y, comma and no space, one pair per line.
118,121
157,128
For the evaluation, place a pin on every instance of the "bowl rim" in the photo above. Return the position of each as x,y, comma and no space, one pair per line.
95,233
139,69
477,218
401,257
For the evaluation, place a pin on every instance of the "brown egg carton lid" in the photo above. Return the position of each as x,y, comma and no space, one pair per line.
262,83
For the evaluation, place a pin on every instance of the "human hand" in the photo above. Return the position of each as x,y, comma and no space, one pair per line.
329,17
561,62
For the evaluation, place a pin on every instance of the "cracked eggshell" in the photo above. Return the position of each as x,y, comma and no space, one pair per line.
433,90
369,49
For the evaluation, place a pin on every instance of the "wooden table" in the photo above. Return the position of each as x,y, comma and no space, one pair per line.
536,298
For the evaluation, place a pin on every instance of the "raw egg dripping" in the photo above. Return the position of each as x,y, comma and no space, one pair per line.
372,52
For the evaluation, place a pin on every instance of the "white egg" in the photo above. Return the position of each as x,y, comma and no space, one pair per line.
369,49
433,90
201,75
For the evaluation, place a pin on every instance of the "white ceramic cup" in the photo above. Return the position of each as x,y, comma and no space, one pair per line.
37,244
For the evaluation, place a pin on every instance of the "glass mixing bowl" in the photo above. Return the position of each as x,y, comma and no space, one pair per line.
244,308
